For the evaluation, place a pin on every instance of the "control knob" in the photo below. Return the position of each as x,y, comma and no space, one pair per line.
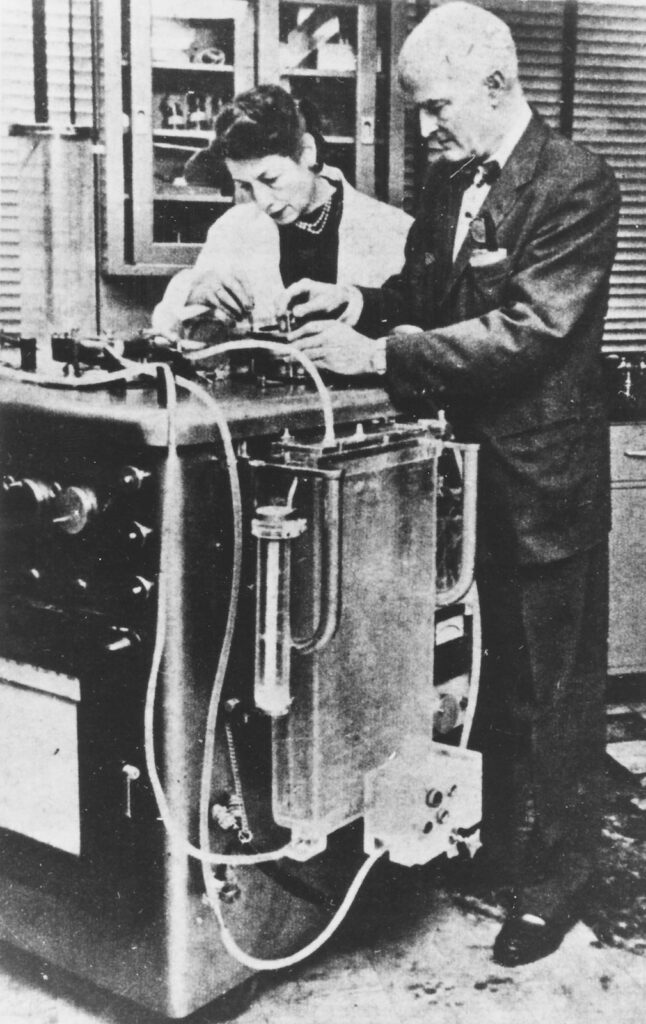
131,478
32,578
26,497
138,589
136,535
120,640
73,509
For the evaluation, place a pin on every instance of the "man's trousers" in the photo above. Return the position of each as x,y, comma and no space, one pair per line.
541,722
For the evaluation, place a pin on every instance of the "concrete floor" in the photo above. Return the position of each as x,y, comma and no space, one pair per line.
436,967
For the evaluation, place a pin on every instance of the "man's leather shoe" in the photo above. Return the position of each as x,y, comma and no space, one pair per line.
521,940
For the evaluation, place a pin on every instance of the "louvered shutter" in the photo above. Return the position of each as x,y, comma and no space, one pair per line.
66,100
17,107
409,14
17,104
610,118
537,28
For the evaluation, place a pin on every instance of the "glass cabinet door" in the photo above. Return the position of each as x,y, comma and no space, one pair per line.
169,65
186,59
337,55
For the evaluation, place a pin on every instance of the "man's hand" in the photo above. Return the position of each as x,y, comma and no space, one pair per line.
335,346
225,289
306,298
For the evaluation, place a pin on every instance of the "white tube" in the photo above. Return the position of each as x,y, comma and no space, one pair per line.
277,964
473,599
130,372
281,349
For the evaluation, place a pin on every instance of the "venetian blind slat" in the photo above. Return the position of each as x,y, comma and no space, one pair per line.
17,86
537,28
609,117
59,54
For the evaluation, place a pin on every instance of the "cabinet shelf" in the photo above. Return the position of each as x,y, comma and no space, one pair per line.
317,73
209,69
186,195
175,134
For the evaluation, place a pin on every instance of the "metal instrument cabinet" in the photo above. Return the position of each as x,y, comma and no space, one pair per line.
627,633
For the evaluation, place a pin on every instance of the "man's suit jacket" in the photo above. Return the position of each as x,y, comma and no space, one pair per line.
511,350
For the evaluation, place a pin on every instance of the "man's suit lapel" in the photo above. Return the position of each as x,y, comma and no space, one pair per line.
504,193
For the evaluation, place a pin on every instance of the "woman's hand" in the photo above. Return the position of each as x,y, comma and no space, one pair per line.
224,288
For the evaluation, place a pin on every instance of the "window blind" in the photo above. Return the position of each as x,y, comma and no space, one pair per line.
69,96
16,104
414,153
610,118
537,28
69,61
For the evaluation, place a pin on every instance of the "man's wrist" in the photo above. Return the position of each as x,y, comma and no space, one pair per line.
378,357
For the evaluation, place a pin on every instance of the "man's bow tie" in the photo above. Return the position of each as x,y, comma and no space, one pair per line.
473,173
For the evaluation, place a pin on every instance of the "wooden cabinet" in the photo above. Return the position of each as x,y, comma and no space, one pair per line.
627,634
169,65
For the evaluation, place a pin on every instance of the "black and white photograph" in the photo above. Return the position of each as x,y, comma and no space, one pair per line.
322,511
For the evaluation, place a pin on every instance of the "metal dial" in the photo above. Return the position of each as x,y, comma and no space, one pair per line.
73,508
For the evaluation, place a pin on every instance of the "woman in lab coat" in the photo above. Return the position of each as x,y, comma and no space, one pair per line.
301,219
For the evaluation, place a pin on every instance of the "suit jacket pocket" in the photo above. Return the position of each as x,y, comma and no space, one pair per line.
488,283
478,290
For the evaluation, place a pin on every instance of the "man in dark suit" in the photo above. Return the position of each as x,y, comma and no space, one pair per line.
506,280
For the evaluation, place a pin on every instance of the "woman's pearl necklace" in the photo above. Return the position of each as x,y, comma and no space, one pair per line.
315,227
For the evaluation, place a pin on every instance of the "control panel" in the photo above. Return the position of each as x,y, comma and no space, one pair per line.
79,553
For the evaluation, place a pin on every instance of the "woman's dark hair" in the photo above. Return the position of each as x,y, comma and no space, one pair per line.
267,120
